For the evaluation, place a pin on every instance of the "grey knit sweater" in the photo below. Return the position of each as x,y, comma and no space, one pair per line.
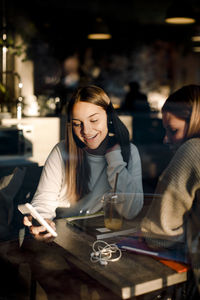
51,200
178,187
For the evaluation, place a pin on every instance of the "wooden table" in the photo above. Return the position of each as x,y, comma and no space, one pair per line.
132,275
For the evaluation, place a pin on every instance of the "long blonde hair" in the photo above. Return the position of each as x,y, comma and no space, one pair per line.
77,166
185,104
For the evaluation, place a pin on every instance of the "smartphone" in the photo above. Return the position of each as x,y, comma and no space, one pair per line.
27,208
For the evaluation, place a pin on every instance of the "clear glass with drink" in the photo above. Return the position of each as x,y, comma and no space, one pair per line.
113,208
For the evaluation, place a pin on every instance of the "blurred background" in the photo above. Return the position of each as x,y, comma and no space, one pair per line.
146,49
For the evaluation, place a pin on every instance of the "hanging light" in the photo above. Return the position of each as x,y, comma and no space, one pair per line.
99,31
180,13
196,34
196,38
196,49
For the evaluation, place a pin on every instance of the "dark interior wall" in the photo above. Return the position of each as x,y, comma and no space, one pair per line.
142,47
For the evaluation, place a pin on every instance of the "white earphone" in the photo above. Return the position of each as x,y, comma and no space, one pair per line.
103,252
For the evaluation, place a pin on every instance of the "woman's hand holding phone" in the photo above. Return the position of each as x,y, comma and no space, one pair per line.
44,230
39,232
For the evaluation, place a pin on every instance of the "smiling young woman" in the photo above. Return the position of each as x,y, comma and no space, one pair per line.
81,169
77,173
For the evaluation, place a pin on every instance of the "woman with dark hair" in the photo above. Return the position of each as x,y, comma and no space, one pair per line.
81,169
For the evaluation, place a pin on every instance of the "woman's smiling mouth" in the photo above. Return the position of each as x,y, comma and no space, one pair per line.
90,138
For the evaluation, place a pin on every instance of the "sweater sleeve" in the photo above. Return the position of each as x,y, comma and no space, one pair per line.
129,179
176,189
50,184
